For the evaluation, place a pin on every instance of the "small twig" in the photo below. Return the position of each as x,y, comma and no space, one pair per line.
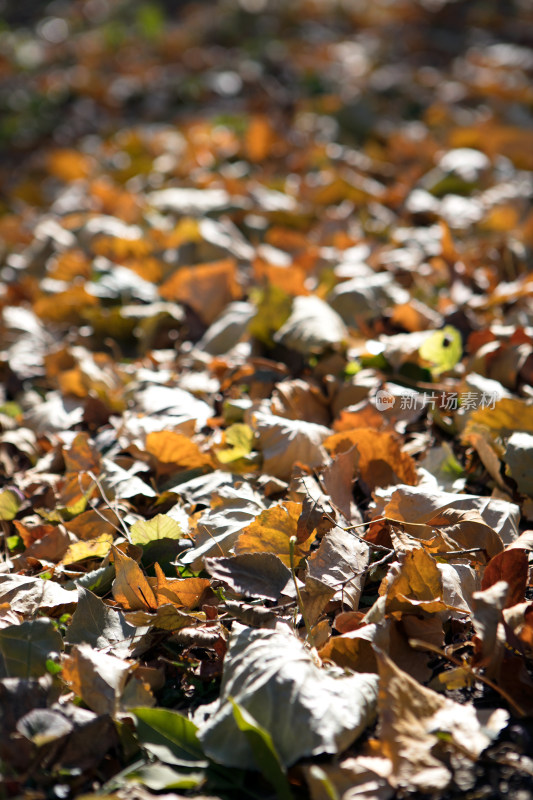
108,502
292,544
418,644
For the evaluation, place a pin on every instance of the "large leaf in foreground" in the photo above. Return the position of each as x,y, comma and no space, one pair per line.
305,709
169,736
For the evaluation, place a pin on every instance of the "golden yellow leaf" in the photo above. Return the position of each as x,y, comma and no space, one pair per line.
64,306
415,581
130,587
260,137
378,458
270,533
93,548
69,165
508,415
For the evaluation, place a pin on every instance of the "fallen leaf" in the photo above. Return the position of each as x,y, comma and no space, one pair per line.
306,710
207,288
130,587
271,531
261,575
377,457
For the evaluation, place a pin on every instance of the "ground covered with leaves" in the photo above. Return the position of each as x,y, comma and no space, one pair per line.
266,400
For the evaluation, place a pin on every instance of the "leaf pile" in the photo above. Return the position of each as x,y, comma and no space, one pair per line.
266,399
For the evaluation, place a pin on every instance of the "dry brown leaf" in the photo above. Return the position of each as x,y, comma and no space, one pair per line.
415,581
130,587
98,678
511,566
378,458
270,533
411,717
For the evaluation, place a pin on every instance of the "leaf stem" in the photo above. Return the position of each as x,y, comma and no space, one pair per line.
292,545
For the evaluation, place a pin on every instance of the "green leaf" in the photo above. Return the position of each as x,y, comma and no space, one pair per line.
443,349
160,527
26,648
9,504
169,736
263,749
240,439
160,776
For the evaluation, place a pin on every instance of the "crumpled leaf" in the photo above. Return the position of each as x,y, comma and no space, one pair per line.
219,528
420,504
185,592
98,678
270,533
511,566
28,595
339,563
305,709
412,719
284,442
378,458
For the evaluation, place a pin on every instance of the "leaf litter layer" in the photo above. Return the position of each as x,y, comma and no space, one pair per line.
266,400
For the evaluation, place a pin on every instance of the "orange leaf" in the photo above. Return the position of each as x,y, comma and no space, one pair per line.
177,450
81,456
206,288
130,587
260,137
64,306
510,566
183,592
69,165
270,533
378,459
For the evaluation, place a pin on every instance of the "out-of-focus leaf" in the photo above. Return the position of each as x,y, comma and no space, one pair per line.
43,725
25,648
158,777
508,416
510,566
312,326
443,349
518,459
271,531
169,736
159,527
9,504
283,442
207,288
239,438
262,747
305,709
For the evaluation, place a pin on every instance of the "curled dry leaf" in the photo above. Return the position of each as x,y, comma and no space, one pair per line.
377,457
